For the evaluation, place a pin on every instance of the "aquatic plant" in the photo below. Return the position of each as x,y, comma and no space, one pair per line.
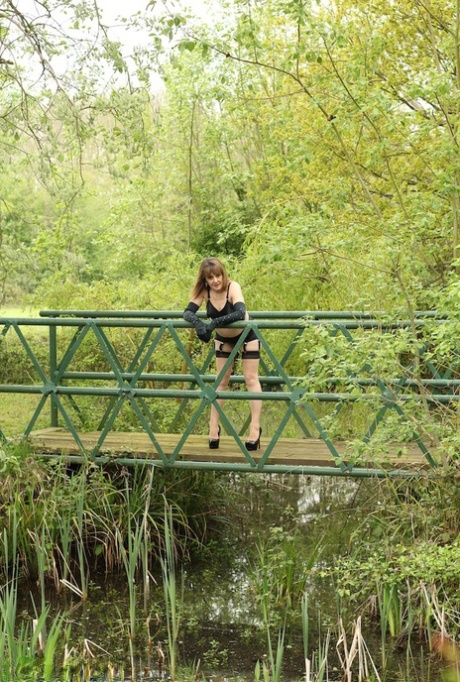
270,613
356,649
66,517
62,557
173,599
316,662
398,578
391,611
305,625
13,650
49,651
18,643
131,558
283,567
80,532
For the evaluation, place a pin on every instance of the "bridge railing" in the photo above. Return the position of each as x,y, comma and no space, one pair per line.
145,370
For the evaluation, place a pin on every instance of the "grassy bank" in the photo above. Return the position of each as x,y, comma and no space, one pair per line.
18,311
16,410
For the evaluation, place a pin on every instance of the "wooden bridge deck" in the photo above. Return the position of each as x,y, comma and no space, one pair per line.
287,451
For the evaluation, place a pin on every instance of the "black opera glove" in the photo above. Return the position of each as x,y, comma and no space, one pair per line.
203,331
238,314
204,335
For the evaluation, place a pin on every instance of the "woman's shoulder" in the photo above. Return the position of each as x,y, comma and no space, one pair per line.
234,289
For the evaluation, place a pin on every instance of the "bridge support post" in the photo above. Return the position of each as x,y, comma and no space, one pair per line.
53,372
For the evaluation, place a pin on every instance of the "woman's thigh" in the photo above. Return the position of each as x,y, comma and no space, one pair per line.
220,362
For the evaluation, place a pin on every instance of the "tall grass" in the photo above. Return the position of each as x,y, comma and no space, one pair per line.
63,548
18,644
63,526
57,526
316,663
357,649
66,523
268,607
12,649
41,544
52,642
173,598
131,556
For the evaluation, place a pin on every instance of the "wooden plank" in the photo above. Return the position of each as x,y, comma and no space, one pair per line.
287,451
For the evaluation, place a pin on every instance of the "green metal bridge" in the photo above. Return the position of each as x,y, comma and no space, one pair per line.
135,387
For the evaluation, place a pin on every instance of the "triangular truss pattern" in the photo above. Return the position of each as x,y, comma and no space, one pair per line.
138,385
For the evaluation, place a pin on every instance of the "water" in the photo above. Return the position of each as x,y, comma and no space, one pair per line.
223,631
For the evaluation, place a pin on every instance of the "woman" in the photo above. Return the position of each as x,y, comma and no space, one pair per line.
225,304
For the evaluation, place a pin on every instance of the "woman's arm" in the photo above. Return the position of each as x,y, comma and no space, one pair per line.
203,331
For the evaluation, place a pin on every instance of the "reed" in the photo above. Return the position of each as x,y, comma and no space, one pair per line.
79,523
147,544
390,609
42,563
51,646
17,643
131,558
305,636
357,649
63,546
12,649
316,663
122,623
322,658
172,598
282,569
275,657
435,612
265,672
276,660
80,510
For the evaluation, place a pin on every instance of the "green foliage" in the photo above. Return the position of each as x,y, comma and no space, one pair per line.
52,512
410,584
389,377
16,365
215,656
224,233
281,572
405,568
401,561
314,145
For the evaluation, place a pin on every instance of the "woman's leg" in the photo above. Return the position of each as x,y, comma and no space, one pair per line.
251,377
220,362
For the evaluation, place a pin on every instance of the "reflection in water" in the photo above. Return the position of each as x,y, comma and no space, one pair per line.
322,495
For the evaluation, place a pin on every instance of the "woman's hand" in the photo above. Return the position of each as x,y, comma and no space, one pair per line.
204,332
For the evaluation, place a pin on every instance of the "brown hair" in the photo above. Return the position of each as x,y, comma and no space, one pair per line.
208,266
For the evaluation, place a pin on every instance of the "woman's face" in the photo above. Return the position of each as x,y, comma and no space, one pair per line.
215,280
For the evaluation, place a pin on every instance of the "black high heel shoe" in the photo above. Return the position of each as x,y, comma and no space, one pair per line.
254,444
214,442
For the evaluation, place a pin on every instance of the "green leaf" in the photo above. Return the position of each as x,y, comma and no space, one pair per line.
187,45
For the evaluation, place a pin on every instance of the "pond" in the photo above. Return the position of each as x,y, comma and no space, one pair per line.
224,599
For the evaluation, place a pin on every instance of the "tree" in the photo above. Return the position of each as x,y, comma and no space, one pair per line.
351,116
54,60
